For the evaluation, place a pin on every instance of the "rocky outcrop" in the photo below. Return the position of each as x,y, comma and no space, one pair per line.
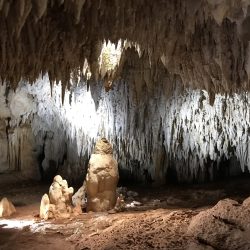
225,226
6,208
102,178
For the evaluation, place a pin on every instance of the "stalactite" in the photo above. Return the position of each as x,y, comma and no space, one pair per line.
151,133
207,47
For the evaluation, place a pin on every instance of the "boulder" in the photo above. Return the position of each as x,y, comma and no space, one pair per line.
6,208
102,178
225,226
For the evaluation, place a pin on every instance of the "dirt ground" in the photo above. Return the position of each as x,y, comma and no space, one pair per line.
160,222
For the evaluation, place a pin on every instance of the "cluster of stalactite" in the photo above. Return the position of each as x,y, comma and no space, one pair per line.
203,43
152,132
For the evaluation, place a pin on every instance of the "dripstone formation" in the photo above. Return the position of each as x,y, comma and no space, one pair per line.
6,208
102,178
205,44
58,203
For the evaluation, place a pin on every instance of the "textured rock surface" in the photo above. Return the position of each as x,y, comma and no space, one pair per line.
6,208
225,226
204,43
161,50
102,178
79,198
152,132
59,202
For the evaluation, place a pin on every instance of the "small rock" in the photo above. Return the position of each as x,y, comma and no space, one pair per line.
6,208
44,207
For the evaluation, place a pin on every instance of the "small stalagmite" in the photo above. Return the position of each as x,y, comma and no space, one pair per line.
44,207
102,178
6,208
58,204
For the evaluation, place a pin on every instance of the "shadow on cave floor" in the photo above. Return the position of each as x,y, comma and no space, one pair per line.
192,196
160,222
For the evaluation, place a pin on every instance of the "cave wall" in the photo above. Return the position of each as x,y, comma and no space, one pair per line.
152,133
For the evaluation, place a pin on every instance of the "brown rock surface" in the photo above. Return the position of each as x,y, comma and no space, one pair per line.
225,226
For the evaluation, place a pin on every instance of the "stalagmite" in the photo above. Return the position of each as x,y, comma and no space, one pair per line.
58,204
6,208
44,207
102,178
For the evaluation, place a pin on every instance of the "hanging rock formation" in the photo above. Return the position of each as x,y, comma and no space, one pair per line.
102,178
205,43
151,131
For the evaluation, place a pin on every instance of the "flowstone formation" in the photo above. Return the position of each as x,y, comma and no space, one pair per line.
102,178
58,204
6,208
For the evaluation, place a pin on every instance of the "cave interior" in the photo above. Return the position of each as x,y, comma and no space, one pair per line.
166,82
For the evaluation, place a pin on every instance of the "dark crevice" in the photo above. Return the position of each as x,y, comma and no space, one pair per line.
229,222
206,243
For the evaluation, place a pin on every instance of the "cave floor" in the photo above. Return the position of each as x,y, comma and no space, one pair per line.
160,222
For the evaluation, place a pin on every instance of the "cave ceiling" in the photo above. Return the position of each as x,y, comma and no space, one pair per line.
205,43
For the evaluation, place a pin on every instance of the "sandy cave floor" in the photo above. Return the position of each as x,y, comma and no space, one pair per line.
160,223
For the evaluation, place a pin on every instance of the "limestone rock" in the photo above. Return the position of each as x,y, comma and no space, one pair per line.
102,178
44,207
79,198
59,202
59,192
6,208
103,147
225,226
